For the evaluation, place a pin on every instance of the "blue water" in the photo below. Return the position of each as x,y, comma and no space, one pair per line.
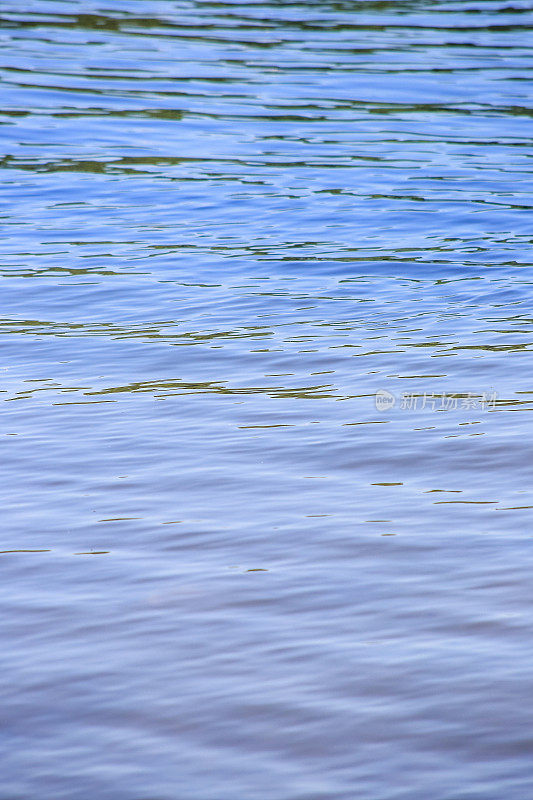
266,385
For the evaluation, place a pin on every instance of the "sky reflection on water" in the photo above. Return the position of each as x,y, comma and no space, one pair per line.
228,571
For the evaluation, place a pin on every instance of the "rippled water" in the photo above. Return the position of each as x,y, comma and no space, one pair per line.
266,385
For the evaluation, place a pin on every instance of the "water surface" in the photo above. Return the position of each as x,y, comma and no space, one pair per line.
227,229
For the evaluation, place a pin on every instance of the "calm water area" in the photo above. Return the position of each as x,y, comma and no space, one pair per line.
266,383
